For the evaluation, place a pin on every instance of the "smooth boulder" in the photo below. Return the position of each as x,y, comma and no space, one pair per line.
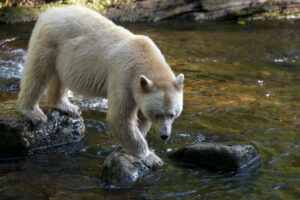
123,170
18,136
215,156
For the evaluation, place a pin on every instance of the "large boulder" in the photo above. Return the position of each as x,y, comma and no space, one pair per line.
215,156
123,170
18,136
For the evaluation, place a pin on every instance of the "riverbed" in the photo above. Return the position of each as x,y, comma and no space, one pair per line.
242,85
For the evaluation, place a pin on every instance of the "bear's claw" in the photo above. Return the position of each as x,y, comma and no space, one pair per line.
153,161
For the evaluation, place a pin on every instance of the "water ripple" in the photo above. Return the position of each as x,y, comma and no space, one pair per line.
11,60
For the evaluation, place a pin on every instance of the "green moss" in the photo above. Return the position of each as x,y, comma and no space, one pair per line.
25,14
18,14
91,114
10,143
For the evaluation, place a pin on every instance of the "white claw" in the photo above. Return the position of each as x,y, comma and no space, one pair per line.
153,161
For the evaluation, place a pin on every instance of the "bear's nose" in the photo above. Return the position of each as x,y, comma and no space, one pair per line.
164,137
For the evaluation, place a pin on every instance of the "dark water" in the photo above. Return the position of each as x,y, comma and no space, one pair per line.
242,85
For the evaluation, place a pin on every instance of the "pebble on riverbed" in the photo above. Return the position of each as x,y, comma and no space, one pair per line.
18,136
123,170
215,156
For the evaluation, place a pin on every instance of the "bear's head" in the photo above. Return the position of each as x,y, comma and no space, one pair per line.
161,103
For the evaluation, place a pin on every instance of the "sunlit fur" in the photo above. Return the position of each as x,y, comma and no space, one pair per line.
78,49
162,107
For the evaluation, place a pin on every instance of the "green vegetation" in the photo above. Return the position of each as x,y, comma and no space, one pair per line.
19,14
100,4
24,13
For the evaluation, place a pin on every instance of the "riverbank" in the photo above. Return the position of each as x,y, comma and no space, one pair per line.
242,86
157,10
23,14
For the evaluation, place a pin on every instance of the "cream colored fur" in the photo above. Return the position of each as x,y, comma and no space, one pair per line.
78,49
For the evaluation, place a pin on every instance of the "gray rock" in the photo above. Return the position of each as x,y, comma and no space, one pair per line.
215,156
123,170
18,136
157,10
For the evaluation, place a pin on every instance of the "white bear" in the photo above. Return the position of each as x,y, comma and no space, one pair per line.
78,49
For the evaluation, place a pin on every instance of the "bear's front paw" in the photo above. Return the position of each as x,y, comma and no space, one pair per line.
153,161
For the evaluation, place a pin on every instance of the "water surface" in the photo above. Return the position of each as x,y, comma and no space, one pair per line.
242,85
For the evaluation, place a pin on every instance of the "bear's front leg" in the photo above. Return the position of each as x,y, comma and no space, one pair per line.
143,124
126,131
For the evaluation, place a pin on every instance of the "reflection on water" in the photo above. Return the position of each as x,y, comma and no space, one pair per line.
242,85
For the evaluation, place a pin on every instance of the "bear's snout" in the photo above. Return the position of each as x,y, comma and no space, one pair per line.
164,137
165,131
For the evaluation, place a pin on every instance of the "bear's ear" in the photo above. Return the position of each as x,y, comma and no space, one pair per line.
145,83
178,83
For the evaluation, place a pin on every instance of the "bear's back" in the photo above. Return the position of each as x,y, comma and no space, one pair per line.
72,21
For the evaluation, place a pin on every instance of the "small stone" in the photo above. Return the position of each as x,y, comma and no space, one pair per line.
18,136
123,170
215,156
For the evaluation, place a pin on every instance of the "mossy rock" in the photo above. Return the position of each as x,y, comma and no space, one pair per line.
18,136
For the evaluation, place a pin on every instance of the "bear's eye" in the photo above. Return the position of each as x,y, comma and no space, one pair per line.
157,116
171,116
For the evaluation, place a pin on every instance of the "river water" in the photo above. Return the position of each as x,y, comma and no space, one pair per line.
242,85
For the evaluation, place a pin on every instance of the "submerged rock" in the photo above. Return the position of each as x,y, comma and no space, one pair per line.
8,86
123,170
96,104
215,156
18,136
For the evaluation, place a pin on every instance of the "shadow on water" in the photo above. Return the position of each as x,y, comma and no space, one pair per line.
242,85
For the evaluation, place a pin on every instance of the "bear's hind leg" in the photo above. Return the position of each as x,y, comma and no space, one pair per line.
38,72
56,98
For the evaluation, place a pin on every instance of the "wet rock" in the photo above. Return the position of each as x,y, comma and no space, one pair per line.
96,104
18,136
9,85
215,156
123,170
